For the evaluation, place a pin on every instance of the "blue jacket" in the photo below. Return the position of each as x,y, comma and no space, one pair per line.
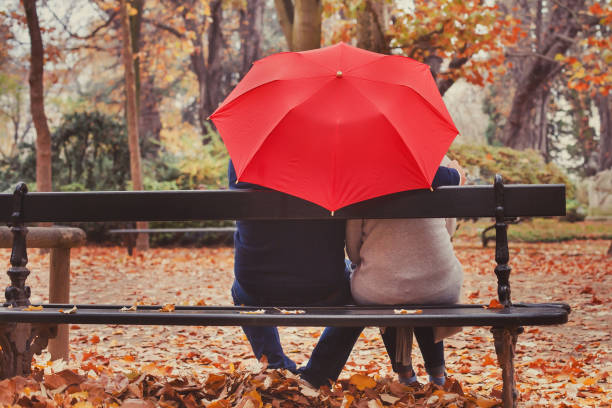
295,261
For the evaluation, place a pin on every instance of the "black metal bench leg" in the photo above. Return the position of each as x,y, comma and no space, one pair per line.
20,341
505,346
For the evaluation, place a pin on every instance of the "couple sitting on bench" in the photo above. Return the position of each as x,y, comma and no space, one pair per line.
400,261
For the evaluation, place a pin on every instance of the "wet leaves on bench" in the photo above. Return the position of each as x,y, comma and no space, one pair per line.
132,308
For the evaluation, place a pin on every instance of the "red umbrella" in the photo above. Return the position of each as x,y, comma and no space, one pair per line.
336,125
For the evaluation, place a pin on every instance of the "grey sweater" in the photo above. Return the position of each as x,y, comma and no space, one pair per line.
403,261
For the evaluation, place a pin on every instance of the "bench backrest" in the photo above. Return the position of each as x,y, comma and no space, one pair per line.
467,201
497,201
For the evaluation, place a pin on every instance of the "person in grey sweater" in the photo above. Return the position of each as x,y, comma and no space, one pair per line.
404,261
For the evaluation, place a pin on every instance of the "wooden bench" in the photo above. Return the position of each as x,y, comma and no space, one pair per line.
23,332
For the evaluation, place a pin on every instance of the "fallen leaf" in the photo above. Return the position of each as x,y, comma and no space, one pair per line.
362,381
283,311
71,311
404,311
32,308
494,304
168,307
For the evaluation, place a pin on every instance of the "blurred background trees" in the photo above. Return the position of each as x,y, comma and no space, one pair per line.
532,75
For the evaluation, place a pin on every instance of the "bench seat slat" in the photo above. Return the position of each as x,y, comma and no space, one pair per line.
453,315
444,202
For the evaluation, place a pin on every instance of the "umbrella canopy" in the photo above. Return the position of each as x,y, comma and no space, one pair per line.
336,125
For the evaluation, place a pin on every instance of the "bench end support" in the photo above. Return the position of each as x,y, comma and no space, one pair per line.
18,294
19,342
505,346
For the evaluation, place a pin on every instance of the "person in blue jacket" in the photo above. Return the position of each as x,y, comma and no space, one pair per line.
297,263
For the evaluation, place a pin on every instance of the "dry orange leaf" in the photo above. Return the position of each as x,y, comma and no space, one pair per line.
32,308
486,403
347,401
255,398
224,403
168,307
362,381
94,339
404,311
494,304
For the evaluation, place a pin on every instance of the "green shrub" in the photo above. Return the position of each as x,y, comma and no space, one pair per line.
482,162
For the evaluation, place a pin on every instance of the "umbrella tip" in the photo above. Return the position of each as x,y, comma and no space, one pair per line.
332,213
338,74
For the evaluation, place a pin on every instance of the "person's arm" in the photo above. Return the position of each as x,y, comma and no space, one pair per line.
353,240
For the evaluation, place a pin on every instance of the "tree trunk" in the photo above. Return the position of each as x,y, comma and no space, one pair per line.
142,242
251,25
216,47
306,25
285,12
604,105
37,104
208,70
149,125
372,22
556,38
301,23
135,24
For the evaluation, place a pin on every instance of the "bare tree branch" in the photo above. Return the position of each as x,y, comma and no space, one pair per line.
88,36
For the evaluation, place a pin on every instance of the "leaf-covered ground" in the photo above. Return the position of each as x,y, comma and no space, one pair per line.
139,366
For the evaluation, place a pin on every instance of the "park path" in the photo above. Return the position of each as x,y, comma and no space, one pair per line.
569,364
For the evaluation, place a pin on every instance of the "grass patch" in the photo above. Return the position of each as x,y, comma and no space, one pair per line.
540,230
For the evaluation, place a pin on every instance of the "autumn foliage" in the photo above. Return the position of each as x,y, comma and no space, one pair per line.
143,366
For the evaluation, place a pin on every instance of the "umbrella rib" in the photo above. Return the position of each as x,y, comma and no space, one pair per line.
256,149
394,128
433,108
227,104
348,71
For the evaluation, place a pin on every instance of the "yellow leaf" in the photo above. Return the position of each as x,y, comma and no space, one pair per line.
80,395
589,381
32,308
362,381
254,396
